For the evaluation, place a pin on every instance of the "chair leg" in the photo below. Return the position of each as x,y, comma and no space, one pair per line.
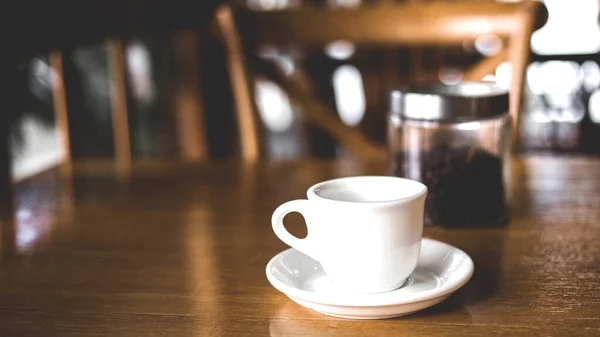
518,56
118,99
238,74
7,224
6,186
62,126
6,121
60,113
188,100
486,66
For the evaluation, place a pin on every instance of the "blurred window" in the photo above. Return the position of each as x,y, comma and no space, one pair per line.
590,75
274,106
556,86
344,3
450,75
139,66
503,75
572,28
594,106
349,94
267,5
488,45
340,50
559,79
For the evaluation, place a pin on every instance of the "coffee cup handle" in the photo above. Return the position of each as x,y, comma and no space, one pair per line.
303,207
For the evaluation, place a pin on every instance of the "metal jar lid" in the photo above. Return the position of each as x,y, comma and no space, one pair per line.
460,102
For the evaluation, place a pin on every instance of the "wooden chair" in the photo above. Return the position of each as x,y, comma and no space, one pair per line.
55,26
411,24
188,110
65,24
188,103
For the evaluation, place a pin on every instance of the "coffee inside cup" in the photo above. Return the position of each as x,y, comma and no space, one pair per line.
369,189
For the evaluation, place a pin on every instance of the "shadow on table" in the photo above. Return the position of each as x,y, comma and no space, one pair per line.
488,256
453,304
294,320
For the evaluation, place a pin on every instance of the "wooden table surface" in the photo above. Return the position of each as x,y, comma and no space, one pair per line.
180,250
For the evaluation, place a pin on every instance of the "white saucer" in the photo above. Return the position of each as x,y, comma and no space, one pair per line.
442,269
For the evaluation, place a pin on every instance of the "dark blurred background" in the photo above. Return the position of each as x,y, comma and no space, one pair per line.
561,108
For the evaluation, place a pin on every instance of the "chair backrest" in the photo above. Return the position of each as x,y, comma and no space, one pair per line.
87,23
412,24
188,105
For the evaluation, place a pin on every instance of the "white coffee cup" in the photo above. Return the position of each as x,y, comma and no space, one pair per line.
365,231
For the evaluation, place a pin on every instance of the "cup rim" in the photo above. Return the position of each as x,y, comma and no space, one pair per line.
312,194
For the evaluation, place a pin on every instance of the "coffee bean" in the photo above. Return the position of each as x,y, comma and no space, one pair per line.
465,184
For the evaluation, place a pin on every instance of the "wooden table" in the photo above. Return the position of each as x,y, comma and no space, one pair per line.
180,250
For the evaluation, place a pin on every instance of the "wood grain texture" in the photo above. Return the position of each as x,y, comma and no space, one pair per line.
118,101
518,56
486,66
180,249
189,105
59,99
240,85
413,24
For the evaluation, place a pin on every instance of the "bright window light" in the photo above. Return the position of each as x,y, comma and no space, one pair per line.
572,28
273,106
349,94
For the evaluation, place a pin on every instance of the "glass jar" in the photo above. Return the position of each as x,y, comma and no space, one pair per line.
456,140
